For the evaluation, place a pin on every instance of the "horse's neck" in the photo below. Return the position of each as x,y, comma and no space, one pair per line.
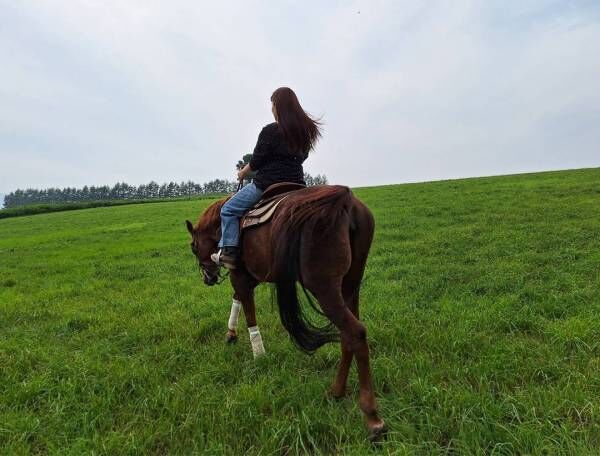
211,220
214,226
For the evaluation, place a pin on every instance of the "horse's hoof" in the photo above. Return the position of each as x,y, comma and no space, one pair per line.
336,393
378,432
231,339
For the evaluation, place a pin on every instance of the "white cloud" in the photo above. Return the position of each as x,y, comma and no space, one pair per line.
107,91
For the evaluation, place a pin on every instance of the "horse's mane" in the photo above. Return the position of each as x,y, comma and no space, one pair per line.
210,215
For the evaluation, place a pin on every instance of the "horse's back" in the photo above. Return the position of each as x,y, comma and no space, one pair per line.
325,221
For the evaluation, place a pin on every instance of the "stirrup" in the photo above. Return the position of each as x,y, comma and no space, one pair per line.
216,257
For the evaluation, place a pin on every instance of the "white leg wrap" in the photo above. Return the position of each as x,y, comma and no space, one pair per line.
234,315
256,341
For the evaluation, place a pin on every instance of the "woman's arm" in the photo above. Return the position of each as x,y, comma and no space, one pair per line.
243,173
262,150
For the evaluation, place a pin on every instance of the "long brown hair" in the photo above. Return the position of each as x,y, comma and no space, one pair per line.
300,130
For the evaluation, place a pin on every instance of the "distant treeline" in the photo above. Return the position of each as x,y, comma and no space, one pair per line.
33,209
124,191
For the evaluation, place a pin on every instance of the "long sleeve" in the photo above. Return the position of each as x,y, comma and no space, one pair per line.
262,150
272,160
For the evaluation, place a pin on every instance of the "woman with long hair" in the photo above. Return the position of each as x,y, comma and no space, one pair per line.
281,149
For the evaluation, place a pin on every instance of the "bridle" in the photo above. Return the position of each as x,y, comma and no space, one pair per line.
209,275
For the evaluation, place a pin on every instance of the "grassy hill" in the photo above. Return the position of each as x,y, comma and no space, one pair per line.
481,298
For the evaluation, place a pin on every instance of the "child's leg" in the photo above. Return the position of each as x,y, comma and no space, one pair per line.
231,212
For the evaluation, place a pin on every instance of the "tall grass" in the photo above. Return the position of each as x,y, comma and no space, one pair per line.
481,300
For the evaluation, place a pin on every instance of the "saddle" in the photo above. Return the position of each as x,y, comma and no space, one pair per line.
263,211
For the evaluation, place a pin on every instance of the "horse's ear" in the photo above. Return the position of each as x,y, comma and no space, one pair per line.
190,227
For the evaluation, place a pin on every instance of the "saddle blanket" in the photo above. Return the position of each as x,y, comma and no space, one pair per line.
263,212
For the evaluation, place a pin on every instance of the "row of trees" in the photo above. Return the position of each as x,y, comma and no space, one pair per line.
124,191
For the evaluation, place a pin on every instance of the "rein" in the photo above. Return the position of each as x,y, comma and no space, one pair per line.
220,276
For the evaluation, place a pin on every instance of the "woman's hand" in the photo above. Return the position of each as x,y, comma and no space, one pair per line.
242,173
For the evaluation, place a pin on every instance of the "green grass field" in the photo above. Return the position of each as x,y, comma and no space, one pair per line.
481,299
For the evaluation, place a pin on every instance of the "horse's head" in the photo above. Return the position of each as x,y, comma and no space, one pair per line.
205,237
202,246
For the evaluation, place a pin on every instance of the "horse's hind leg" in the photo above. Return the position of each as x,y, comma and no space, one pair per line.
338,388
360,243
354,339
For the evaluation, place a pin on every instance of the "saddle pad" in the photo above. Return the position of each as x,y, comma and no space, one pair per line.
261,214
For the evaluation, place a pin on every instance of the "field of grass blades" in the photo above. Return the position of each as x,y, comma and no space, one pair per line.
481,301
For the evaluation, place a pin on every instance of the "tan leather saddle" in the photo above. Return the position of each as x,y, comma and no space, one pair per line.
263,211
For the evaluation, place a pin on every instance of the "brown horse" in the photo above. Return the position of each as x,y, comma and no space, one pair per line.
319,237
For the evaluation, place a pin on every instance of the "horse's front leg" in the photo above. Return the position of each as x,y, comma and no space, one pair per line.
256,342
244,286
234,315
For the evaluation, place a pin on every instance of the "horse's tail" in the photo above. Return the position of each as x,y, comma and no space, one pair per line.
322,211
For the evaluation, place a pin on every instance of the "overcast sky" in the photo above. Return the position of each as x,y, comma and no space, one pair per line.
95,92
